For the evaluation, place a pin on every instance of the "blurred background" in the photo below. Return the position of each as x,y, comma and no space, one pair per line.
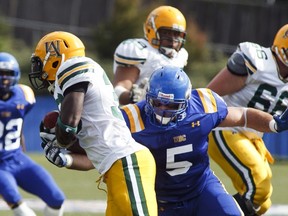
214,28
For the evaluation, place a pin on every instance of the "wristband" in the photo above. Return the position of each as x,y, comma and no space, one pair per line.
66,128
119,90
273,126
69,160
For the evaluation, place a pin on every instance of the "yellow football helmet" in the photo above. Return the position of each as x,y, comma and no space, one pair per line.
280,44
165,18
53,49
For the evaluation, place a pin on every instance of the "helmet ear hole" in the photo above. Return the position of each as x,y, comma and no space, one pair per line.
55,64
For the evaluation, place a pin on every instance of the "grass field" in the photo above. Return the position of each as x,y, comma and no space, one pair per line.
78,185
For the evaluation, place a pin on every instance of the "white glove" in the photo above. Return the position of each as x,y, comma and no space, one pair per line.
139,91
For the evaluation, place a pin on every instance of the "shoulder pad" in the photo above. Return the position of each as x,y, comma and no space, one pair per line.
28,93
208,99
133,113
131,52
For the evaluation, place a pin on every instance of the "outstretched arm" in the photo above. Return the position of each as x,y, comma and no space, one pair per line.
255,119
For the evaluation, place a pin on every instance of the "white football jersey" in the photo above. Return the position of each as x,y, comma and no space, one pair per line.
138,52
264,90
104,134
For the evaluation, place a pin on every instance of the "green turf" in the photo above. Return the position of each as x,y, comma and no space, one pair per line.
82,185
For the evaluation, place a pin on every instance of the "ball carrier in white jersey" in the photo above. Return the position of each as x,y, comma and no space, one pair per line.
89,113
256,77
135,59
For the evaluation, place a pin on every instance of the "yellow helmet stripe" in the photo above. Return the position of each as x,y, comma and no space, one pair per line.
133,113
208,100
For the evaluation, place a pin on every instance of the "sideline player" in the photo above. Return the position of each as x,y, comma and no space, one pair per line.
135,59
89,110
16,168
255,76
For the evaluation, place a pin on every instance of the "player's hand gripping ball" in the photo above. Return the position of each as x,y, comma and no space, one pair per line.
47,127
50,120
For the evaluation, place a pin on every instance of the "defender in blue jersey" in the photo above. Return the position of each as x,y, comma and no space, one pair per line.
174,122
16,168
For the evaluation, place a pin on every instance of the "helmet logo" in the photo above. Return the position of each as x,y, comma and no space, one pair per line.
6,65
165,96
151,22
53,48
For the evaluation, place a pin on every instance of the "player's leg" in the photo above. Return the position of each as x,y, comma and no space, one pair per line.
245,162
9,192
34,179
214,200
130,184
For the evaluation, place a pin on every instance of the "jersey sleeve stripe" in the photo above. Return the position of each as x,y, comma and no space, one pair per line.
71,67
208,100
251,68
74,71
128,61
133,113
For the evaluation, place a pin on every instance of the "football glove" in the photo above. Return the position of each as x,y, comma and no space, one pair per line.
138,92
281,122
46,134
54,154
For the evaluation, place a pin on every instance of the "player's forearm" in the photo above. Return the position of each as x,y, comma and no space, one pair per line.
258,120
80,162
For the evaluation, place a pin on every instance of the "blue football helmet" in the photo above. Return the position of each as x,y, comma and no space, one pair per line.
9,72
168,92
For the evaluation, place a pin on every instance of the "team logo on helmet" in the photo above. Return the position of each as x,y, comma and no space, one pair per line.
165,96
53,48
151,21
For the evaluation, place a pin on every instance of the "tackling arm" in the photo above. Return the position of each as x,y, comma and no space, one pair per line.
255,119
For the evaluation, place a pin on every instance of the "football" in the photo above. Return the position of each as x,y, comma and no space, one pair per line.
50,119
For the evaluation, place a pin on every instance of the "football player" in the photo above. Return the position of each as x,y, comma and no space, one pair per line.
255,76
89,113
16,168
135,59
174,123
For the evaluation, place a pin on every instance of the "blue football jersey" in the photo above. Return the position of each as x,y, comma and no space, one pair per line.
180,152
12,113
